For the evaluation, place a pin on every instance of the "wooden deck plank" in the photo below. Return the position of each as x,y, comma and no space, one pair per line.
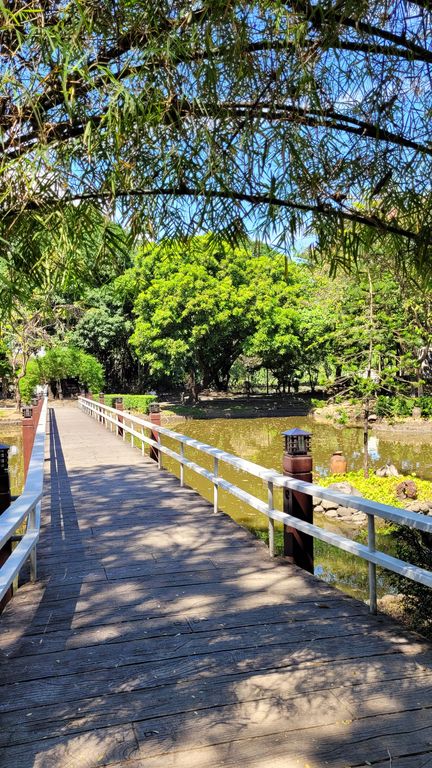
163,635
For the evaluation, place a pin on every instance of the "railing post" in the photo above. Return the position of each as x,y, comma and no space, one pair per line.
28,433
271,522
297,463
102,402
118,404
5,500
372,566
215,484
182,453
33,553
159,453
155,418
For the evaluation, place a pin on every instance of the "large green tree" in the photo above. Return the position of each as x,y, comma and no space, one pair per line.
274,114
199,307
194,310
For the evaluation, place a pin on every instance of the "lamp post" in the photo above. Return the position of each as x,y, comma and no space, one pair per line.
297,463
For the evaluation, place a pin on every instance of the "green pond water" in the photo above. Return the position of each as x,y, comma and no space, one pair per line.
13,438
260,441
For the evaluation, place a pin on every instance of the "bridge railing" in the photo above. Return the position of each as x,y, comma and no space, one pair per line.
124,423
25,509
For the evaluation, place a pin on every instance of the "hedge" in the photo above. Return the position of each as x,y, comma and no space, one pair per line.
139,403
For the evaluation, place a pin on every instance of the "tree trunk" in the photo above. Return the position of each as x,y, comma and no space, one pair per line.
366,439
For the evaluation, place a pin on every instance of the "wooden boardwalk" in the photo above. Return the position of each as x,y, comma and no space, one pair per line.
162,636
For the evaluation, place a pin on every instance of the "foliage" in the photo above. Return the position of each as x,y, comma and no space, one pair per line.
275,116
380,489
318,404
398,406
103,330
139,403
58,254
194,310
415,547
61,363
199,308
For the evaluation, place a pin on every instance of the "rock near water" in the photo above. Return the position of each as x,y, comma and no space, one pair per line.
335,511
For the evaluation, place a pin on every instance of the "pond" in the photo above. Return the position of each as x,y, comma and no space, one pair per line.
260,441
13,437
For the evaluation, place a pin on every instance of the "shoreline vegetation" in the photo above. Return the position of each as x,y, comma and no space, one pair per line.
407,415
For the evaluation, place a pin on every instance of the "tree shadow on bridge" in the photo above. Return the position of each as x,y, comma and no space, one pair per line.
198,651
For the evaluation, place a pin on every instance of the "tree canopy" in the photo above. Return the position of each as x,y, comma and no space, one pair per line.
273,115
198,307
61,363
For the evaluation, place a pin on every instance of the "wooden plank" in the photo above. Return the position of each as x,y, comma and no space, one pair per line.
138,704
88,750
346,632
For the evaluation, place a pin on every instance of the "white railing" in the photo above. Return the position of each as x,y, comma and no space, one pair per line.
125,423
26,509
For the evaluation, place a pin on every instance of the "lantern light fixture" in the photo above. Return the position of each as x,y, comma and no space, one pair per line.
297,442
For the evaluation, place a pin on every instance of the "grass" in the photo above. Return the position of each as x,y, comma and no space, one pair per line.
192,411
9,413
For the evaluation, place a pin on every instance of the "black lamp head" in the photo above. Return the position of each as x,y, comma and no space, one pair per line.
297,442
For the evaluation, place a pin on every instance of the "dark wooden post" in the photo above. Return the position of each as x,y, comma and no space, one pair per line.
297,463
118,404
28,433
155,418
102,402
5,500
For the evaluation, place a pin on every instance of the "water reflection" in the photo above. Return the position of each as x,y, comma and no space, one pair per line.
16,465
260,440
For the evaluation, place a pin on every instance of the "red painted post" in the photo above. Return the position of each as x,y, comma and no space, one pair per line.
155,418
297,463
118,404
5,500
28,433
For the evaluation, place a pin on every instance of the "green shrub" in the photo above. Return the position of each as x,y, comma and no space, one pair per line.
342,416
139,403
318,403
415,547
398,406
425,403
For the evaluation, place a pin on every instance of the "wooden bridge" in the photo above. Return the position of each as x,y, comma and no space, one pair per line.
160,635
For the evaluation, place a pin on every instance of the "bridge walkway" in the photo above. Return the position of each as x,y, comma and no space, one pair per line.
161,635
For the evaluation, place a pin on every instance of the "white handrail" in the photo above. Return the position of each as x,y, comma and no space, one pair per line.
272,478
26,507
